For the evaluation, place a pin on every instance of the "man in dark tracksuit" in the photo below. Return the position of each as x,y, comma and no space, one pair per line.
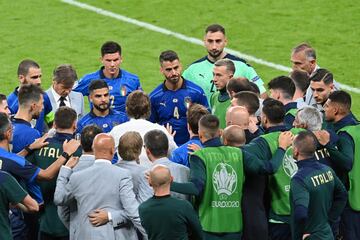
255,188
65,124
317,196
345,157
220,210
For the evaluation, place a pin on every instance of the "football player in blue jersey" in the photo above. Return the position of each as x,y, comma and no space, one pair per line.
29,72
121,83
101,114
171,99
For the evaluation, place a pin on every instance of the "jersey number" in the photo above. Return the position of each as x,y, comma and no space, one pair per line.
112,99
176,113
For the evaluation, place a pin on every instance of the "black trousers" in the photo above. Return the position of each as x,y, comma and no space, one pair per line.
279,231
45,236
350,224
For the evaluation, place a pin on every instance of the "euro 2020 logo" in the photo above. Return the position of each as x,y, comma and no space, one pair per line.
289,165
224,180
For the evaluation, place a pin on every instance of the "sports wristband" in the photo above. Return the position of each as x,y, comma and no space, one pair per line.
27,148
66,155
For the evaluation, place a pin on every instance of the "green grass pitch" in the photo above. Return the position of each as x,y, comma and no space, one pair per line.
52,32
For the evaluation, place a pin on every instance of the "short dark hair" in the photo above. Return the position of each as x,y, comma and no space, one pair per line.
342,98
324,75
194,113
238,84
168,56
284,84
138,105
130,145
210,123
97,84
110,47
310,52
4,125
306,143
300,79
157,143
230,66
65,74
88,134
2,97
249,100
215,28
25,65
234,135
255,88
29,93
65,117
274,110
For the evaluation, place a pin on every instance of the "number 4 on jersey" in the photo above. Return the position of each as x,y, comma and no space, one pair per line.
176,113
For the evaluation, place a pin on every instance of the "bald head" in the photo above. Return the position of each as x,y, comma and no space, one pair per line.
237,116
234,136
104,146
160,177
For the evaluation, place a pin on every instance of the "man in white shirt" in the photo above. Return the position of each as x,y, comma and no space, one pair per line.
303,57
61,94
138,110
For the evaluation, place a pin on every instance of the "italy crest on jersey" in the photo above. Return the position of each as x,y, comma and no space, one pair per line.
123,91
187,102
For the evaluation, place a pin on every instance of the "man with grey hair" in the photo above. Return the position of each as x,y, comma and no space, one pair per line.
303,57
223,71
310,118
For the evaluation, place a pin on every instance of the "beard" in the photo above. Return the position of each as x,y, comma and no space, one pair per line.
174,79
215,54
102,107
36,115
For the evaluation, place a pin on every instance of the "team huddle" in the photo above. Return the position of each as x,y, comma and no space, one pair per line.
210,153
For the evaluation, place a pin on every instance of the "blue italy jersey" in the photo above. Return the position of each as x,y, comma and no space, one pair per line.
105,123
23,134
169,106
119,87
22,170
181,154
13,103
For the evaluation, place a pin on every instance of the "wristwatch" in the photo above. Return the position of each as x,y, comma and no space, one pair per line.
66,155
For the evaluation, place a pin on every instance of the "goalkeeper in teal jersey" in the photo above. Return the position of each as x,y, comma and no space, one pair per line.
317,195
217,177
200,72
